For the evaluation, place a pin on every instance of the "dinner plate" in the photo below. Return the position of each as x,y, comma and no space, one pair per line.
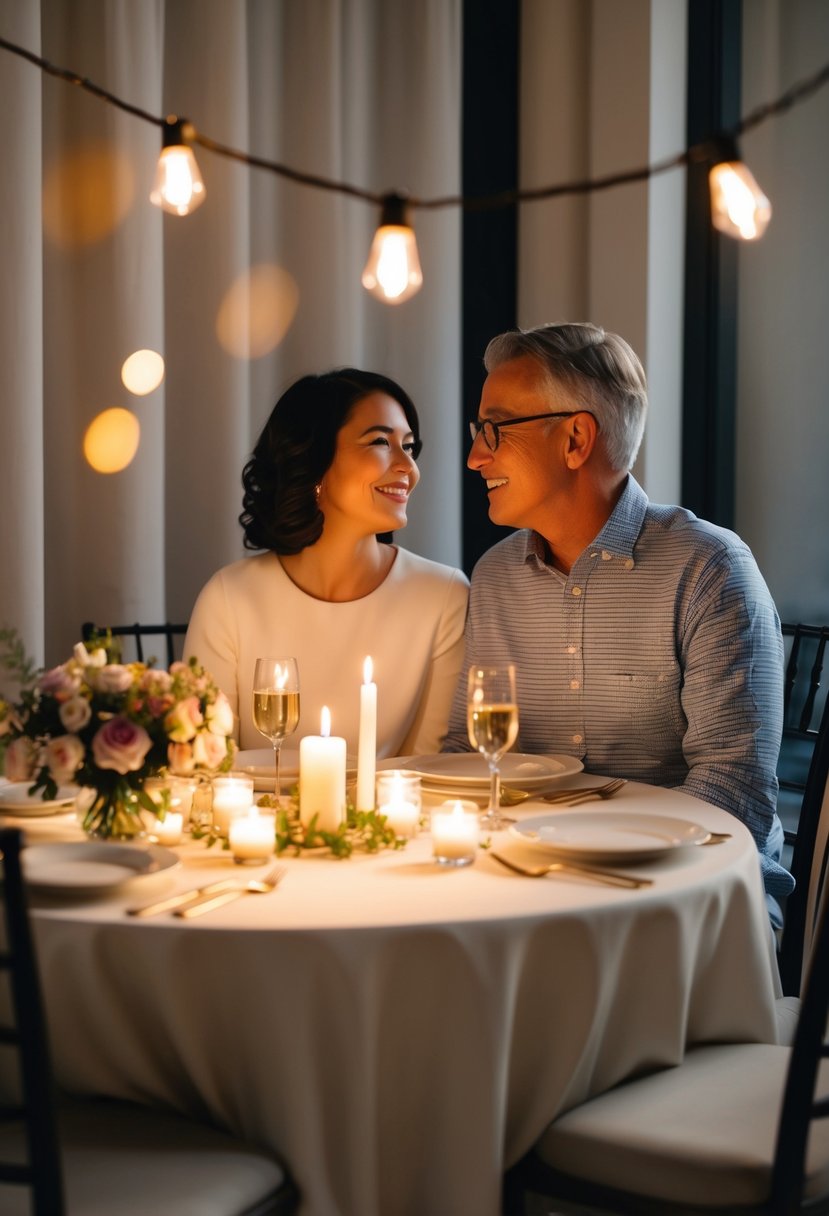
92,867
609,836
258,763
15,799
470,770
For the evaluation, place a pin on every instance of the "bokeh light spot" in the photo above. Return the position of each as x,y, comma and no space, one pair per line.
111,440
257,311
142,372
87,194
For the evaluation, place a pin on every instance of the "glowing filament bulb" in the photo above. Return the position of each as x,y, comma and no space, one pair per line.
738,206
178,186
392,272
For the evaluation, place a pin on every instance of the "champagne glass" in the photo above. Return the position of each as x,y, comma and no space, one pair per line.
492,723
276,704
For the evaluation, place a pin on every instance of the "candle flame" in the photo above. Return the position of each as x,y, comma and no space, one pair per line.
368,670
325,722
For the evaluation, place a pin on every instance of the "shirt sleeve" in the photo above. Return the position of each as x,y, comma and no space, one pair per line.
732,693
428,730
211,639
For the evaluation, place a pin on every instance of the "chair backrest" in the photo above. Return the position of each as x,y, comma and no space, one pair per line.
803,701
810,856
136,636
800,1105
24,1033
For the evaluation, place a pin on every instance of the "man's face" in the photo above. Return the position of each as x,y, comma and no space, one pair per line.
525,476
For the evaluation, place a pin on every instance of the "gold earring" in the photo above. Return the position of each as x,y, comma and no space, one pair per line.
318,490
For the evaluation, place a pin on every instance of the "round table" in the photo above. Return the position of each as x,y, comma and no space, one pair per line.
399,1033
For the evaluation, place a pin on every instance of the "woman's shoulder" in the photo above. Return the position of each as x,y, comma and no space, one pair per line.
244,573
410,566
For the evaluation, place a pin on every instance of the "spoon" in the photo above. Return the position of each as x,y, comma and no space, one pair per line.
256,886
611,877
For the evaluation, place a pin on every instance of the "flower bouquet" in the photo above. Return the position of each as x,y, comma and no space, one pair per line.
107,726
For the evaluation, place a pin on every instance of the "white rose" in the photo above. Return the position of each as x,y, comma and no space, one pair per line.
75,713
209,750
219,716
112,678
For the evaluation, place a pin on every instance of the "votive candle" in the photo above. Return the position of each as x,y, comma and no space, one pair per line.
398,798
252,837
232,796
455,833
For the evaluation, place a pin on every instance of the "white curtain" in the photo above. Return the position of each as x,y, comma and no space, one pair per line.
257,287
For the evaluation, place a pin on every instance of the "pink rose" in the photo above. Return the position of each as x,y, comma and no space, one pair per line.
64,756
209,750
180,757
59,683
156,682
75,713
21,759
219,716
183,720
113,678
121,745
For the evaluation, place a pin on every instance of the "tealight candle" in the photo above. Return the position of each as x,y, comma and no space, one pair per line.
367,747
168,830
398,798
175,795
322,761
455,833
252,837
232,796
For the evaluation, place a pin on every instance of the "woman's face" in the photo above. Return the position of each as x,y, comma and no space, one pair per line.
373,471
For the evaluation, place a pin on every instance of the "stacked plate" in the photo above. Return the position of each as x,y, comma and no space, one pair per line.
459,772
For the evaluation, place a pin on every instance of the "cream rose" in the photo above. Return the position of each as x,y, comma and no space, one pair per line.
64,756
209,750
219,716
113,678
59,683
180,757
21,759
121,745
184,720
75,713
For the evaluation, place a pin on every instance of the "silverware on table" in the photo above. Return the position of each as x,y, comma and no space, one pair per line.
256,886
572,797
183,897
611,877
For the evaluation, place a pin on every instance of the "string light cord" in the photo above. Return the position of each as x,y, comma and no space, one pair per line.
701,152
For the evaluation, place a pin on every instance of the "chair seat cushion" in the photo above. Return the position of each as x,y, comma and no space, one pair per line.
703,1132
125,1160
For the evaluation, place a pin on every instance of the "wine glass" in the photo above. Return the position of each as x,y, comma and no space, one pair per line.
492,723
276,704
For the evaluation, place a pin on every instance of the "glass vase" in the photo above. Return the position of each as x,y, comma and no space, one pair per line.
110,814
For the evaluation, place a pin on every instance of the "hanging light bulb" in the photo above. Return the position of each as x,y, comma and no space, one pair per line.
392,272
738,206
178,184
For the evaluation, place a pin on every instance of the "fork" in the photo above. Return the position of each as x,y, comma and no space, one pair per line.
256,886
574,797
611,877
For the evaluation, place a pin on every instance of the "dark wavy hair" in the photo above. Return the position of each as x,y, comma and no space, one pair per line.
296,448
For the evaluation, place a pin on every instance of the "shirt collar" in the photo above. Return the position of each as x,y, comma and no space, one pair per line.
619,535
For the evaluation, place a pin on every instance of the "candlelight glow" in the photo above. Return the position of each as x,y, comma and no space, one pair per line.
142,372
738,206
325,722
368,670
178,186
257,311
86,195
111,440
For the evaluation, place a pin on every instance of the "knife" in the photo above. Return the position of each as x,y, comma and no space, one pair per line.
183,897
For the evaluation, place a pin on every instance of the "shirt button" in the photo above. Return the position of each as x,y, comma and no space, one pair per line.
577,738
576,591
569,650
574,684
606,556
629,564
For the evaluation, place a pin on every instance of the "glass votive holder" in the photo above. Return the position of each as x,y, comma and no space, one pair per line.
232,796
252,836
398,798
455,833
173,795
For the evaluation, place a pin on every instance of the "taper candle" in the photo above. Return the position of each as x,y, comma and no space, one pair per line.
367,749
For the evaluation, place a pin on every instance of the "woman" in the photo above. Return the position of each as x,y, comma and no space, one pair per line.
332,471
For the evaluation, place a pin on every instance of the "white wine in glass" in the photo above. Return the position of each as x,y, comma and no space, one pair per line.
276,704
492,725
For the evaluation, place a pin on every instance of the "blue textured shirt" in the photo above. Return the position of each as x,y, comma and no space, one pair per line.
658,658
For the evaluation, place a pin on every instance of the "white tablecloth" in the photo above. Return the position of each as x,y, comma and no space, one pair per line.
399,1033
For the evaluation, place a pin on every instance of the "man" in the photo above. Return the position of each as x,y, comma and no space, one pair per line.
645,639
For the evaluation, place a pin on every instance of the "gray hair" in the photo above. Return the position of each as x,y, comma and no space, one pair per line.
601,370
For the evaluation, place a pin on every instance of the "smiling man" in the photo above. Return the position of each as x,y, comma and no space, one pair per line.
645,639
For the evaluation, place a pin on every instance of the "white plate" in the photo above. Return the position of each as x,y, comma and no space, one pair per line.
609,836
469,769
258,763
16,800
92,867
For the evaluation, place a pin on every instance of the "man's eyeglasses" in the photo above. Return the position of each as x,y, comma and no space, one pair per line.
492,430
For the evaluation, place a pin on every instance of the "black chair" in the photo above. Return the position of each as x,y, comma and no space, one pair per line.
735,1128
135,636
803,700
102,1157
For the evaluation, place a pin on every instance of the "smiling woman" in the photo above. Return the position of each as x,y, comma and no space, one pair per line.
330,476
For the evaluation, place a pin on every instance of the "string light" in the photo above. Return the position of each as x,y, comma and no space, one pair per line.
730,207
392,272
178,186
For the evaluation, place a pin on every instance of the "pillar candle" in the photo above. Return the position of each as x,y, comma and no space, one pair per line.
367,750
322,777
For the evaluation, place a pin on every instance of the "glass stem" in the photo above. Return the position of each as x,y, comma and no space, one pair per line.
494,788
277,749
